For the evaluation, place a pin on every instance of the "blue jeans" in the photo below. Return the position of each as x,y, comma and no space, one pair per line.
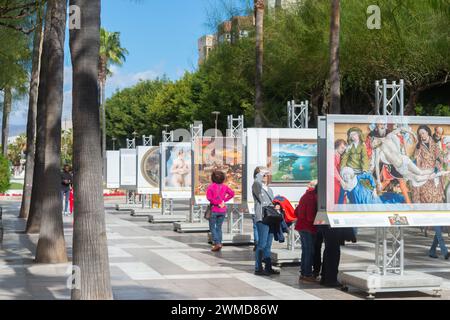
265,239
65,197
215,226
438,239
307,259
255,231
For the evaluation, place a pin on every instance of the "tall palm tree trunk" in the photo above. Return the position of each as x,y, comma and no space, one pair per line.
335,81
51,245
31,122
259,21
37,197
7,104
90,251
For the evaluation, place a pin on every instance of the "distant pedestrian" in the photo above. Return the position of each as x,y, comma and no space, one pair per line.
306,215
438,240
263,196
218,194
66,183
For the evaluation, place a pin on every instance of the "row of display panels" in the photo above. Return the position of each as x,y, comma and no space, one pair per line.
373,171
183,170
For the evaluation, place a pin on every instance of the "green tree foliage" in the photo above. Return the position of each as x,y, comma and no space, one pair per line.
17,150
67,147
5,174
412,44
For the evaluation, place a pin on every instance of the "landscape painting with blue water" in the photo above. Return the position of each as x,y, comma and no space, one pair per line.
292,161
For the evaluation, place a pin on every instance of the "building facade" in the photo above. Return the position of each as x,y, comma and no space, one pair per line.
205,45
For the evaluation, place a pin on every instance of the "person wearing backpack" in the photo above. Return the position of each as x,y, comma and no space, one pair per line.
263,197
218,194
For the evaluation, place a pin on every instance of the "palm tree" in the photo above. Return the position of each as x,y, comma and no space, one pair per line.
259,21
32,110
90,250
335,81
51,245
111,53
37,198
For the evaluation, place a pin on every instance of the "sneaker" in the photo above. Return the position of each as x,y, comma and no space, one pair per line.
261,273
447,256
433,256
273,271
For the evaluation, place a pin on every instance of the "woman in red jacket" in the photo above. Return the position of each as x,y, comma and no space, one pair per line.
306,214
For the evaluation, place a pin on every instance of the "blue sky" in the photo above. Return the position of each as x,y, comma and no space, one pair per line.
160,35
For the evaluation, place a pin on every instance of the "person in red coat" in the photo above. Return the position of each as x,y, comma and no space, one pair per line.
306,214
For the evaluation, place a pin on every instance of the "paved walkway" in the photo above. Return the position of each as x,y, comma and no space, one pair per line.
153,262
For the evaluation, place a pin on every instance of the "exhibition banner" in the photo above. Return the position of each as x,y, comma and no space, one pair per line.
176,170
388,171
113,169
223,154
148,162
128,169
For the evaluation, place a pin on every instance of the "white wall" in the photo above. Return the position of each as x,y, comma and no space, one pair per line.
257,156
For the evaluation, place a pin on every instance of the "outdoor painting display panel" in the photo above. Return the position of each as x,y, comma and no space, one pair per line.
112,169
291,161
176,170
148,162
224,154
388,171
266,147
128,169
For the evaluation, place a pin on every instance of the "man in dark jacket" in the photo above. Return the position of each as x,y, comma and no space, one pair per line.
66,182
306,214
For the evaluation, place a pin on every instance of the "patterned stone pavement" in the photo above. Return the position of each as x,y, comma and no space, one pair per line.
151,261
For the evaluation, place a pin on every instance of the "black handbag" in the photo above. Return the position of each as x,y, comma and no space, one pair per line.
271,216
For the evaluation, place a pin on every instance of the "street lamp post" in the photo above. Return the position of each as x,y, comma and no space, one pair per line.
216,113
114,142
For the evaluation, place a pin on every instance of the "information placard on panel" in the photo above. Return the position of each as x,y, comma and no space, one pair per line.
387,171
128,169
112,169
148,162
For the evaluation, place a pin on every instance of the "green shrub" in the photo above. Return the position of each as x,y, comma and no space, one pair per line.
5,174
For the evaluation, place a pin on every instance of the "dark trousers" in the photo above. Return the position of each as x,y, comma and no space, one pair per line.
331,255
317,260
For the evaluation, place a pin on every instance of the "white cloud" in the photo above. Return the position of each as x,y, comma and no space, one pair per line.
120,80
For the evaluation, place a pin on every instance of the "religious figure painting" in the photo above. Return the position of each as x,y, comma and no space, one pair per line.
390,165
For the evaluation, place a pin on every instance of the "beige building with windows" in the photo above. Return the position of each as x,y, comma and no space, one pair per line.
205,45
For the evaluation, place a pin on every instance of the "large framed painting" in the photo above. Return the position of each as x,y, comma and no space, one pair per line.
148,169
224,154
395,166
292,161
176,170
